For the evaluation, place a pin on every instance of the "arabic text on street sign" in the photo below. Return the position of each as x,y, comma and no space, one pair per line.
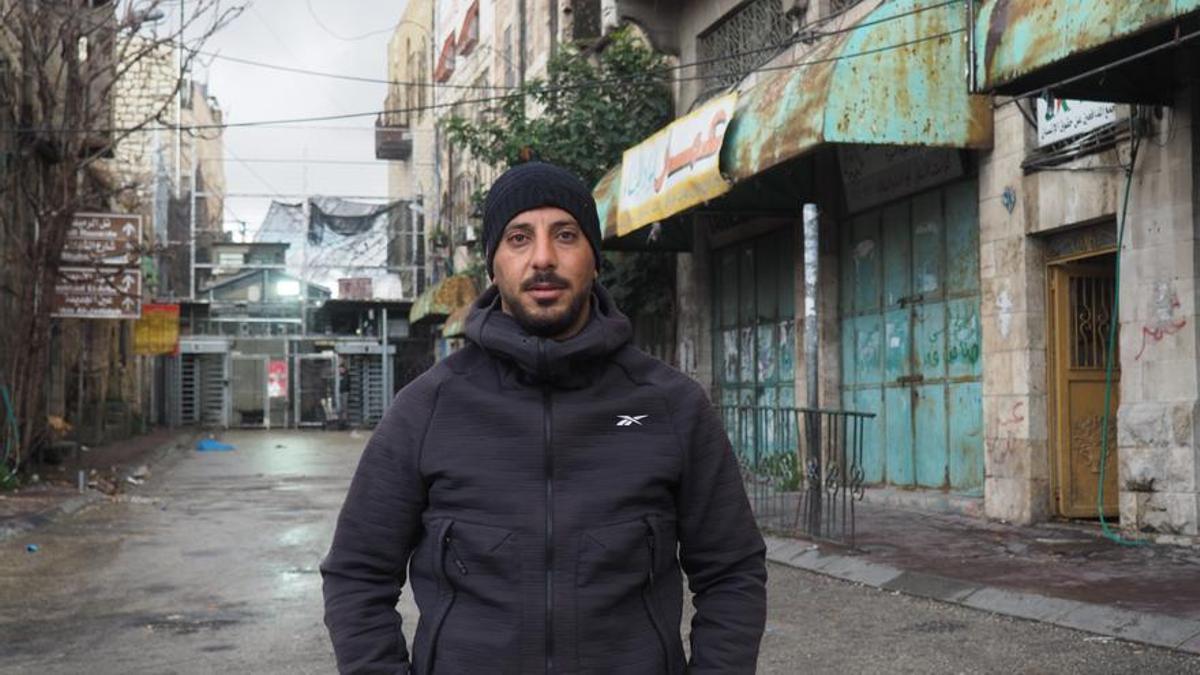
103,239
676,168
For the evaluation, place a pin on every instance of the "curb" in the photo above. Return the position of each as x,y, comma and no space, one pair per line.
74,504
1152,629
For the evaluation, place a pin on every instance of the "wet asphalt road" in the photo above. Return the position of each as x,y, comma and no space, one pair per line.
211,567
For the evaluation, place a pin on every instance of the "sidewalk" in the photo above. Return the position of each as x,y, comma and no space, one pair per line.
57,492
1059,573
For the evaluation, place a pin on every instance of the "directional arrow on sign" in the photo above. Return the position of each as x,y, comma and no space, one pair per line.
127,283
129,230
128,303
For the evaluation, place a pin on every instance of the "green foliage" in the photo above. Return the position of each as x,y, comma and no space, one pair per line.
590,107
783,469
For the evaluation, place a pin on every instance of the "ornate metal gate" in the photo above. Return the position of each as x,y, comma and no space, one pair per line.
803,467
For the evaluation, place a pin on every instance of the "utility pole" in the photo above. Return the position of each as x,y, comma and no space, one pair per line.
192,225
179,107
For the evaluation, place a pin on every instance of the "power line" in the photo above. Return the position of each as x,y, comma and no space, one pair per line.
293,160
802,37
350,78
540,90
321,24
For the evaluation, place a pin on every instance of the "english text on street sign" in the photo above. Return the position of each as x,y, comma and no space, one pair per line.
86,293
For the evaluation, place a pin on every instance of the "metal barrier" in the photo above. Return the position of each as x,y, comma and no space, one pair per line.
802,467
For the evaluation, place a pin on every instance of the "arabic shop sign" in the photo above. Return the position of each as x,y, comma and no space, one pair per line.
676,168
1059,118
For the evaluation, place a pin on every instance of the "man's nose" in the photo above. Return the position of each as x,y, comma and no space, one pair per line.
544,255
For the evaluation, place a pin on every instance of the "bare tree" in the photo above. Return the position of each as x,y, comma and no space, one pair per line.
60,64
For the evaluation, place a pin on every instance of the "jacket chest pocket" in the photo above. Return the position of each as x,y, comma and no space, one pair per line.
622,619
477,625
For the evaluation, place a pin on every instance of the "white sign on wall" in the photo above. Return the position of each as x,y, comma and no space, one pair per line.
1060,118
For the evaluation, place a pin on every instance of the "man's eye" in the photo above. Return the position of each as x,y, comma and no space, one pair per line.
568,235
517,238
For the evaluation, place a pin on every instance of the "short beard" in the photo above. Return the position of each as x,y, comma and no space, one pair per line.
548,326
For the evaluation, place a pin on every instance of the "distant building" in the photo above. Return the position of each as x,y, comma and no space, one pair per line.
166,173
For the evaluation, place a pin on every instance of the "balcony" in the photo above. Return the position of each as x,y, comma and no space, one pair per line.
392,141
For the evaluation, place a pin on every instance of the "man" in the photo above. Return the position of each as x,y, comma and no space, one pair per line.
544,485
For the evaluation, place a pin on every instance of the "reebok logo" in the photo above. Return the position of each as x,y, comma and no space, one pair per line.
630,420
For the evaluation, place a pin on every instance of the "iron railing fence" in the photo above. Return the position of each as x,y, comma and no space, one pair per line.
802,467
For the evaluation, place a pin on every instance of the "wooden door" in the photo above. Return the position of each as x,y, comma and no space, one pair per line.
1082,298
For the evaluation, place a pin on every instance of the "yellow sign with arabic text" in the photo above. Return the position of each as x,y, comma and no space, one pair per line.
676,168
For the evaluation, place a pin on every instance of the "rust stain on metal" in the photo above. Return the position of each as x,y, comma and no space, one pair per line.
454,292
1021,36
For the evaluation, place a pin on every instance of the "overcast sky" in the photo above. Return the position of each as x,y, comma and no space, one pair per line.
309,34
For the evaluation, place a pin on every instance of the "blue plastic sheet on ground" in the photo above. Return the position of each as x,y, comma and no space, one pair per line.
212,445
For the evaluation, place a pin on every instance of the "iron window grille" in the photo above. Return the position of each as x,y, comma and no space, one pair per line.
736,45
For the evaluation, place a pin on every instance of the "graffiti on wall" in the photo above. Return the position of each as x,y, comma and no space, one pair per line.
1165,322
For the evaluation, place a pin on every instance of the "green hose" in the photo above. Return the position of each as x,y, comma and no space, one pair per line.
1111,356
14,437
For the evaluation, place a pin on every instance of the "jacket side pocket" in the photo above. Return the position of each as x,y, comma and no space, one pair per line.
425,652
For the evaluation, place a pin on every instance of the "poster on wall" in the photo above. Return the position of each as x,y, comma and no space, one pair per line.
277,378
157,332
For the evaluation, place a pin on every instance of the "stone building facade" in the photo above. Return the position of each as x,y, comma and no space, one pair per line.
969,311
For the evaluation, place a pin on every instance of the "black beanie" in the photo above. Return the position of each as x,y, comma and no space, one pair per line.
532,185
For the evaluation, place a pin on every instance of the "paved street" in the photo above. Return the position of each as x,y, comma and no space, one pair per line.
212,567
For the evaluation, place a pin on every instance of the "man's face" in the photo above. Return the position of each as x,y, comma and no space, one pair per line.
544,269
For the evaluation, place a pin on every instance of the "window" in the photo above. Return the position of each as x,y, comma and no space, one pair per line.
736,45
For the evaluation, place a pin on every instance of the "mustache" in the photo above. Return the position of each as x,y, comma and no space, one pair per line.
544,279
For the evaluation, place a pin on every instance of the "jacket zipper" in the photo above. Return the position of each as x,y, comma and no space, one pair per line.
648,595
547,435
447,549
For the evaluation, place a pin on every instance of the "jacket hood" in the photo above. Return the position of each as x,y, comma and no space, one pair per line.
566,363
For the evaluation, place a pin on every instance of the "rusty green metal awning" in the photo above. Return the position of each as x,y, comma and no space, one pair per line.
897,78
442,299
1016,38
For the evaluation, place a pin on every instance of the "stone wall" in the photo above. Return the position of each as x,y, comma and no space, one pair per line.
1013,314
1159,380
1160,389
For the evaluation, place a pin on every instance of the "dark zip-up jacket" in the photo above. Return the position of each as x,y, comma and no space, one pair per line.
544,498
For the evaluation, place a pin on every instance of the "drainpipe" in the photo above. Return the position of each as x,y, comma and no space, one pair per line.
521,42
553,28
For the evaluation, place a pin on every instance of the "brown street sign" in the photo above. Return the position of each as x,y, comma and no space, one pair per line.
83,293
103,239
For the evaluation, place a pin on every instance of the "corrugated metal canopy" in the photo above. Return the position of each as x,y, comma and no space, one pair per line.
896,78
1016,38
442,299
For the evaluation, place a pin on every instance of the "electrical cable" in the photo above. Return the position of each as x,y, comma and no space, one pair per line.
1110,357
537,90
